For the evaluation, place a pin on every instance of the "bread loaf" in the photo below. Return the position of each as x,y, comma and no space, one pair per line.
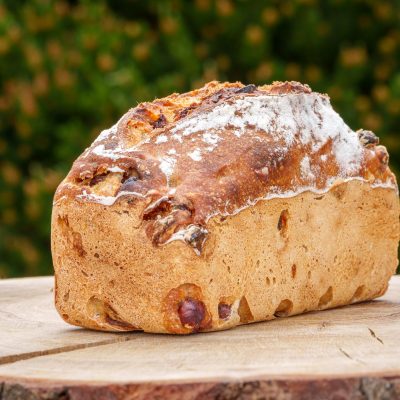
223,206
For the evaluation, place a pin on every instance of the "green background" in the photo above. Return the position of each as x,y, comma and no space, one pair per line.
69,69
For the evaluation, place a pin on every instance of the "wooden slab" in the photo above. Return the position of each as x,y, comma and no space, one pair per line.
349,352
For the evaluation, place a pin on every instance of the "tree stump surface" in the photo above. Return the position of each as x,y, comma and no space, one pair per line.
351,352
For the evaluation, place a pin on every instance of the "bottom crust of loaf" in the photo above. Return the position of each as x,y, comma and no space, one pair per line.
280,257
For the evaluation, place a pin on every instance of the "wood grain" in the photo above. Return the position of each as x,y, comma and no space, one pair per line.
349,352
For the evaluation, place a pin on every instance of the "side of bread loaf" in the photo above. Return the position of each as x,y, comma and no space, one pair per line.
223,206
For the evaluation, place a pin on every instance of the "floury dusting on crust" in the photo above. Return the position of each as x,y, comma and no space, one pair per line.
220,150
305,117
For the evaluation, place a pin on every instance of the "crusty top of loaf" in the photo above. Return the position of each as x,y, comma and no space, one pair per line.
219,149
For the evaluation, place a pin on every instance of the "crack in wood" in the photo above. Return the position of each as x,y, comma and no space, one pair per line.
346,354
373,334
350,357
57,350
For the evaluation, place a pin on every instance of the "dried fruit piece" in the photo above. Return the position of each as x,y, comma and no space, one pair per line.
382,155
97,179
367,138
224,310
160,122
247,89
185,311
196,236
191,313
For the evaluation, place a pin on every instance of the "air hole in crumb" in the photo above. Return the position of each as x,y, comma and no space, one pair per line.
294,271
116,264
96,255
112,283
358,293
285,308
309,274
84,273
274,280
268,281
106,316
326,298
244,311
65,316
66,296
283,222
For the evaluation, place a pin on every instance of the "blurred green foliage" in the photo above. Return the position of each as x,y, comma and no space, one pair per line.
68,69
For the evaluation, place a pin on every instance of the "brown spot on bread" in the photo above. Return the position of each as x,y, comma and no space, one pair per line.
326,298
283,222
294,271
77,244
63,222
244,311
358,293
185,311
72,237
339,191
284,308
